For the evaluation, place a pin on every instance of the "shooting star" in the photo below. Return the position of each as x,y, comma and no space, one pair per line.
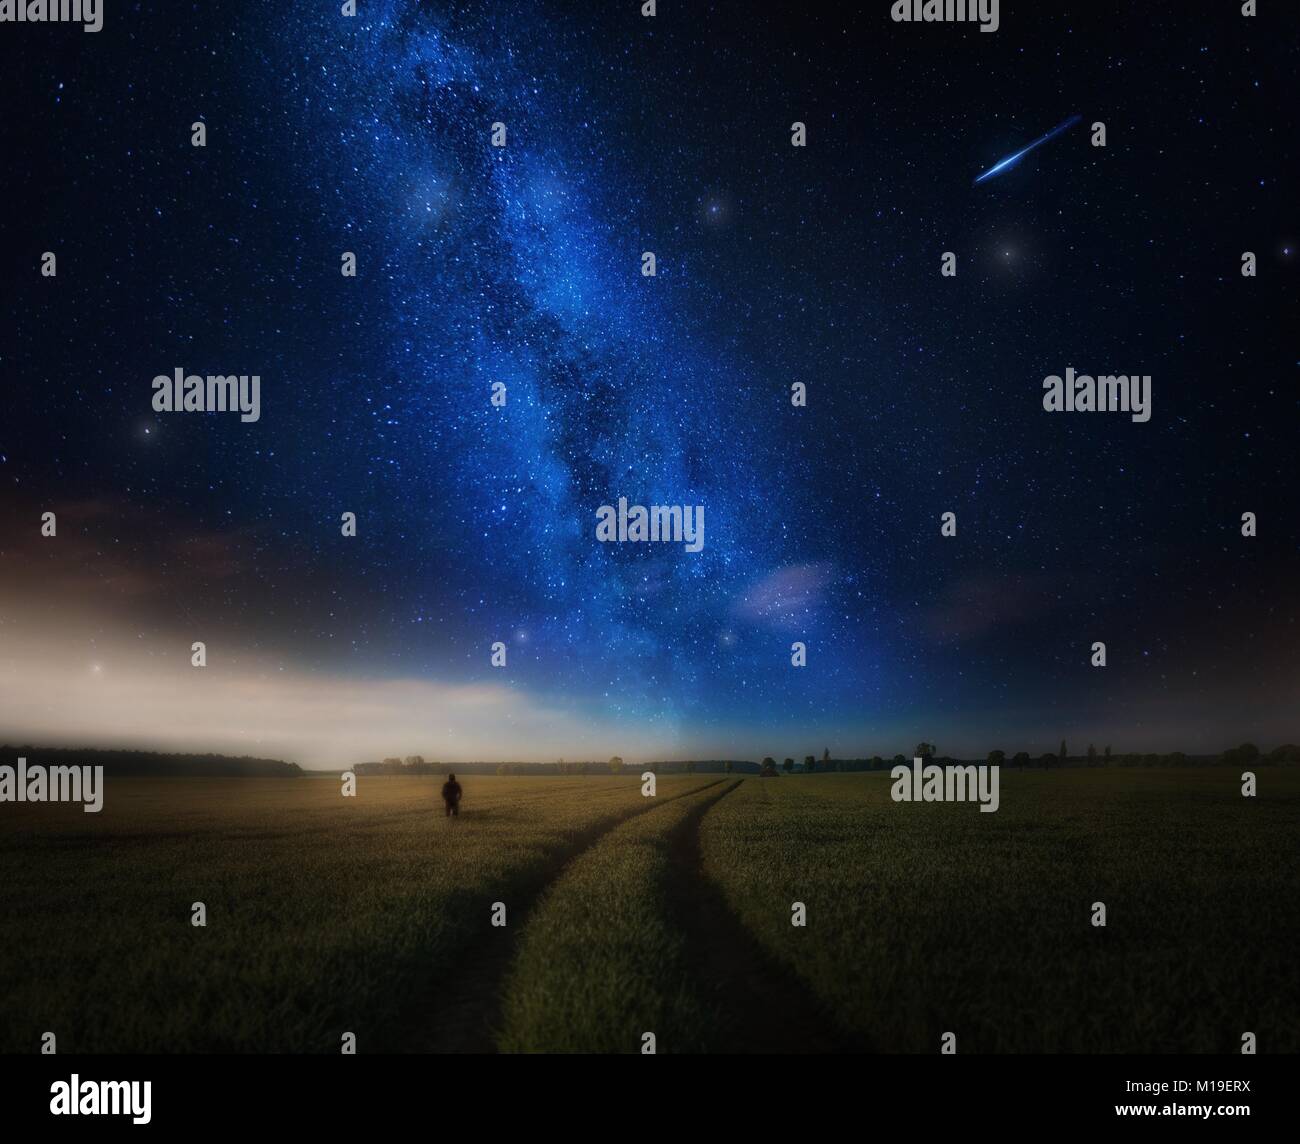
1011,160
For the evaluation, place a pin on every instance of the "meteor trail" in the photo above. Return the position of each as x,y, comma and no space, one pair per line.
1012,160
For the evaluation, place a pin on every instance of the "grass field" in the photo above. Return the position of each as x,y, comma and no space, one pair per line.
325,914
924,919
670,915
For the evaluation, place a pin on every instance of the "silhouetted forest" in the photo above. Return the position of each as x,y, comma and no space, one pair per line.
128,762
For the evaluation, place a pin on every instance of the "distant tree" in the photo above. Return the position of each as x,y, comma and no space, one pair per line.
727,766
1092,755
899,761
768,769
877,763
826,754
413,761
1021,758
616,765
392,764
997,758
788,766
1064,753
1047,760
690,766
582,768
809,764
1108,754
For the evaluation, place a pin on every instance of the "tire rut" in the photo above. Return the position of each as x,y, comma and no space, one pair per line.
762,1006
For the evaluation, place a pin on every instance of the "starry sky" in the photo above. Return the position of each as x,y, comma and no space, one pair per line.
522,264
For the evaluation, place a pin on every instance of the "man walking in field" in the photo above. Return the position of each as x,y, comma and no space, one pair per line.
451,795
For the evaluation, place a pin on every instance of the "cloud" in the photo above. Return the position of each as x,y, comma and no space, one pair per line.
109,549
57,689
783,599
95,651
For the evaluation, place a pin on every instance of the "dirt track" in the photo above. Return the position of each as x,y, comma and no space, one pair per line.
469,1023
763,1007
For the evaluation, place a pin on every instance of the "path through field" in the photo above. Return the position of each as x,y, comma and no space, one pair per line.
733,998
461,1011
763,1008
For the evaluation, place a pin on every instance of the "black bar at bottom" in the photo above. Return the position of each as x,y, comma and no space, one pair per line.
376,1093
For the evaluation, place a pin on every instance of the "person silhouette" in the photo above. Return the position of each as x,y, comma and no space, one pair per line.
451,795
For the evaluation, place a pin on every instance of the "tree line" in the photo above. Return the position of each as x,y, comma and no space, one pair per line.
769,768
1246,753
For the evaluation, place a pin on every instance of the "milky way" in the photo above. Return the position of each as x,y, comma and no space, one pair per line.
522,265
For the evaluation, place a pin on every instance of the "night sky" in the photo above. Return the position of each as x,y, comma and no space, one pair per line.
775,265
